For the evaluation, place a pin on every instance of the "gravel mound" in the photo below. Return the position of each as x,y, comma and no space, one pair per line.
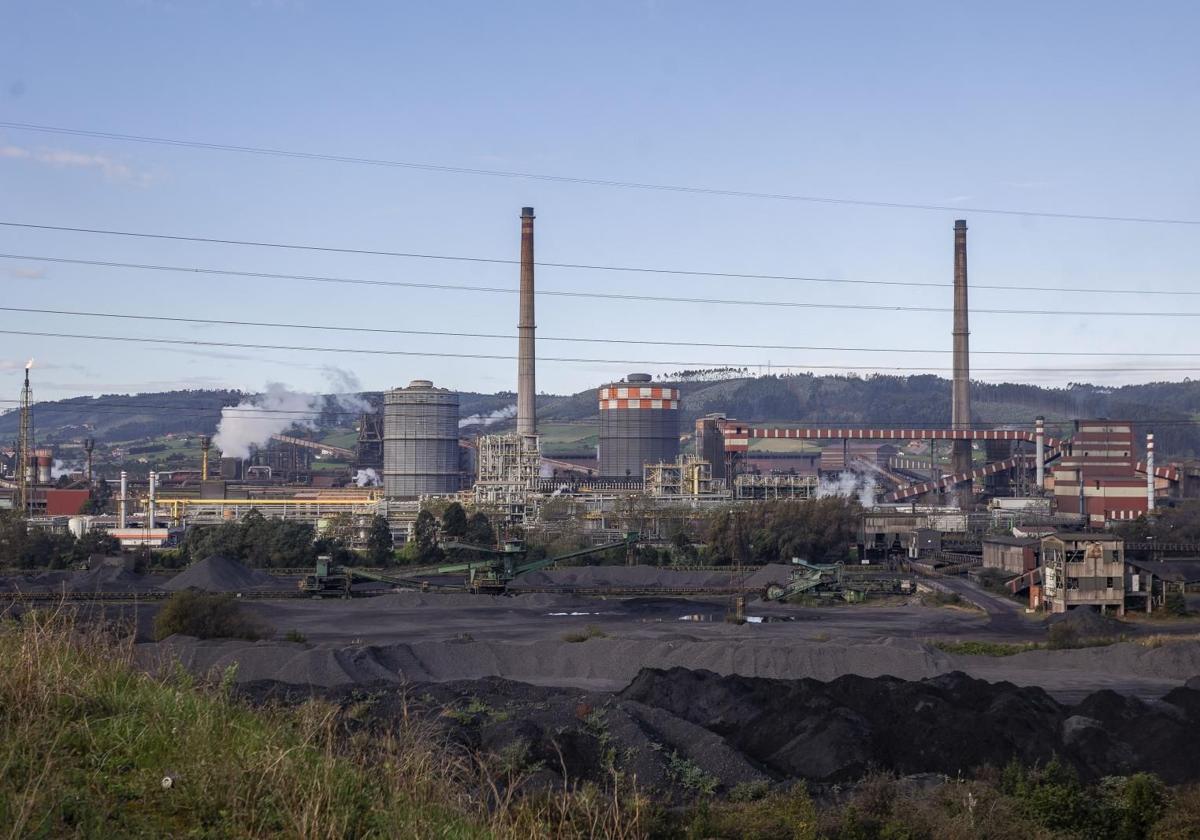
220,574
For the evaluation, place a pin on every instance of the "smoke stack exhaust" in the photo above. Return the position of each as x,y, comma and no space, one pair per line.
526,384
960,407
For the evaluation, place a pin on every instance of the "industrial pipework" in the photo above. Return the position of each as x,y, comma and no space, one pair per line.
960,407
526,366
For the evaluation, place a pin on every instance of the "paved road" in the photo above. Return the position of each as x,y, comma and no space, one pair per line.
1005,616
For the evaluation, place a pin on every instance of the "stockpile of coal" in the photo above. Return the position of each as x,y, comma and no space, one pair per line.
107,574
220,574
40,582
684,733
1086,623
950,724
648,577
113,574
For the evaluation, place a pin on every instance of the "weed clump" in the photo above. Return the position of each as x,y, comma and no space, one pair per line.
205,616
589,632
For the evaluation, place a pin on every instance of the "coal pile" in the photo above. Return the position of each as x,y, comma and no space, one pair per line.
555,732
688,733
112,574
1085,622
220,574
623,577
950,724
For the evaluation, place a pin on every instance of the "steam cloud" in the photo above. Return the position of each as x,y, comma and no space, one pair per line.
849,485
367,478
496,416
252,421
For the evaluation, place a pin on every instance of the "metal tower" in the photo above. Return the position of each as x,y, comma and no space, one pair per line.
24,445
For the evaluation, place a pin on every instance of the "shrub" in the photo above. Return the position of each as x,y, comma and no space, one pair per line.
589,632
1175,603
787,815
206,617
295,636
972,648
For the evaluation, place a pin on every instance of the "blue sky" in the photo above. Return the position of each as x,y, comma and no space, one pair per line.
1063,107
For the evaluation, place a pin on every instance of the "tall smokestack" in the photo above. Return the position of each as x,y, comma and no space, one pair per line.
526,385
960,407
123,502
1150,471
151,510
1039,436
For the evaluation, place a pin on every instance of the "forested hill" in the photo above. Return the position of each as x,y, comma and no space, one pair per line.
124,417
1169,407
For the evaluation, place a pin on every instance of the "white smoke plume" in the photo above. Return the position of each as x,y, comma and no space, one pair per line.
496,416
849,485
344,391
367,478
252,421
58,469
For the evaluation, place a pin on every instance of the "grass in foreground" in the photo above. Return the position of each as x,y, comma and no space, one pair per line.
90,746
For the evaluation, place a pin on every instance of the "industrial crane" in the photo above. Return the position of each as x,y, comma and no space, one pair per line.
490,574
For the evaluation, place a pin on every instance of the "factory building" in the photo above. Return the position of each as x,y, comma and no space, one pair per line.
1081,569
1015,555
841,455
420,441
639,425
1096,476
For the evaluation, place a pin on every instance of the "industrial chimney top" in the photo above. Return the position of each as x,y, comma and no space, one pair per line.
420,383
639,377
527,211
960,224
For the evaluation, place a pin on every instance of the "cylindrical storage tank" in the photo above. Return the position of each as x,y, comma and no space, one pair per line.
639,424
79,525
231,469
420,441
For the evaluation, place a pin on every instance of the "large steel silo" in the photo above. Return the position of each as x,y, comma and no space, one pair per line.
639,424
420,440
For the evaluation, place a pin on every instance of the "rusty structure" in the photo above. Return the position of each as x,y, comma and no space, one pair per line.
526,380
960,406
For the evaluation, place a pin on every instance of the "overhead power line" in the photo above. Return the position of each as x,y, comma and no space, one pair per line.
681,272
746,301
575,339
1024,423
626,362
594,182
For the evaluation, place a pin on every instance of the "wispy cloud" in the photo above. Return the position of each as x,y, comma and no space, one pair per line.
109,167
23,273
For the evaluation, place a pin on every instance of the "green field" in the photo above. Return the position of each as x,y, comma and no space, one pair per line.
565,438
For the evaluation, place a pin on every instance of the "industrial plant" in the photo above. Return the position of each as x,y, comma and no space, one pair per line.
413,450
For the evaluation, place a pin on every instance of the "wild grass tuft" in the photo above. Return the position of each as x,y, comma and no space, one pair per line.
92,746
